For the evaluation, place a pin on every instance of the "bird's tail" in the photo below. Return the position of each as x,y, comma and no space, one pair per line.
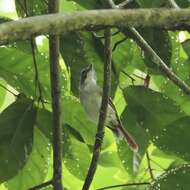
128,138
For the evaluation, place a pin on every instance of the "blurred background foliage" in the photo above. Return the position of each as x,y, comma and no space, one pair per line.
158,116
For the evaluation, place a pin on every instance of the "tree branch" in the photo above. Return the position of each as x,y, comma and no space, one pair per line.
103,110
124,185
91,20
56,105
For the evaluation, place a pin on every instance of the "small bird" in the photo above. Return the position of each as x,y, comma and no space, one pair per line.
91,97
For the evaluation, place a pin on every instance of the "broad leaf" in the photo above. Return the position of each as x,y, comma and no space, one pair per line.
17,68
130,160
16,137
159,116
30,8
73,155
174,179
160,42
151,3
180,65
168,139
186,46
152,109
35,170
109,159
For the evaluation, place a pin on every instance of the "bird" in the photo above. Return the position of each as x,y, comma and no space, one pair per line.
91,96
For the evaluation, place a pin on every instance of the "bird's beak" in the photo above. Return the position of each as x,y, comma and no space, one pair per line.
90,67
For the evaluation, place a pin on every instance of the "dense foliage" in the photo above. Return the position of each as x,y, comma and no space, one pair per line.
157,114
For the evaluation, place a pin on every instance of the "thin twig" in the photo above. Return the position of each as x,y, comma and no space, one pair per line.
45,184
124,185
149,165
56,104
4,87
103,111
173,4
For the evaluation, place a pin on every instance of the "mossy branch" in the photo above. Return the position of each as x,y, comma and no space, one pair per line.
91,20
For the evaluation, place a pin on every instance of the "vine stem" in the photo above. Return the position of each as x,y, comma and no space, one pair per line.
53,6
103,111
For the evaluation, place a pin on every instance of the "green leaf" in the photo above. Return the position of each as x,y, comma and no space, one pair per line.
126,156
127,55
160,116
152,109
73,155
132,161
77,119
181,68
17,69
174,179
160,43
182,3
168,139
90,4
109,159
150,3
186,46
35,170
44,122
30,8
16,137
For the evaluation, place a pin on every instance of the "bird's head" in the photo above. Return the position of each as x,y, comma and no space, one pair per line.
88,75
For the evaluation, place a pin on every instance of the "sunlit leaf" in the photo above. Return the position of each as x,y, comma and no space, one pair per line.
109,159
17,68
2,92
186,46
